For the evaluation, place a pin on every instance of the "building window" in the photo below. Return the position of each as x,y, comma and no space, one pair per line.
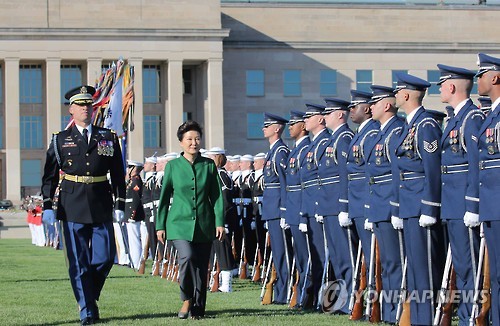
187,78
1,85
292,83
71,77
31,173
255,83
255,121
152,131
395,78
151,84
433,78
31,132
364,79
328,82
30,84
65,119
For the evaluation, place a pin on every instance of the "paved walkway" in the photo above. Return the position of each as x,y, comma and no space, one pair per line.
13,225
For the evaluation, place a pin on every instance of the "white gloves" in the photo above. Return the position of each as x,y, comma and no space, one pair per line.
253,225
226,229
344,219
319,218
283,224
368,225
303,227
471,220
266,226
241,222
119,216
48,216
426,220
397,223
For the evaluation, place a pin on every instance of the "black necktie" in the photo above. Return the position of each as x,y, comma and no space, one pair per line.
85,135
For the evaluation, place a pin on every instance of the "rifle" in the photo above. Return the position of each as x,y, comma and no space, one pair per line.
447,313
444,288
144,257
257,266
268,294
214,275
477,281
290,286
171,270
156,262
125,244
375,313
243,260
357,310
482,318
324,277
403,311
264,259
166,261
264,291
293,299
355,278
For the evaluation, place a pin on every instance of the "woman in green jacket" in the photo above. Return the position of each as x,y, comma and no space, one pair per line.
195,218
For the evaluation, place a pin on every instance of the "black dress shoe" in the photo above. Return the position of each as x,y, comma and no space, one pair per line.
183,315
87,321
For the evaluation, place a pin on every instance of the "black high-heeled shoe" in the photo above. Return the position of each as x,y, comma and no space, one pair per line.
185,309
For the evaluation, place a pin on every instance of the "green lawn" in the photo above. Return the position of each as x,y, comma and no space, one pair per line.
35,290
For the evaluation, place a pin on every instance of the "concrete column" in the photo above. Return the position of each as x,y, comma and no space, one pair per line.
93,70
214,108
136,137
174,107
53,96
12,137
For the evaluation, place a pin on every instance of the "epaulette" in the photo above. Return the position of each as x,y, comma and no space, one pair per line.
470,115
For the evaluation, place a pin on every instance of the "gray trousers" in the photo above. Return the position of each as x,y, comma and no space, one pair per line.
193,271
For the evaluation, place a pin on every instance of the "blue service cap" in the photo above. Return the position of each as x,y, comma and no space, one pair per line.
380,92
487,63
81,95
296,116
449,72
270,119
359,97
407,81
485,102
313,109
334,104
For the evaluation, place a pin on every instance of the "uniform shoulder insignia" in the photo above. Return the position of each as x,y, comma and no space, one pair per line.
136,188
430,147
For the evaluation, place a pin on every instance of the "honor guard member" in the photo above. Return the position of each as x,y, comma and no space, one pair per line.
488,84
485,104
417,196
294,197
274,200
86,153
147,201
235,222
360,113
257,193
378,148
134,212
246,182
459,173
332,172
309,176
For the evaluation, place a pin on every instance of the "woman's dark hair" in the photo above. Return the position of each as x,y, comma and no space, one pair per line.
188,126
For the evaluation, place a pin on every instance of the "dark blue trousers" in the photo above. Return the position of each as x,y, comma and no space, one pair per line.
422,294
279,260
90,250
301,257
317,247
366,239
458,234
491,232
339,252
390,258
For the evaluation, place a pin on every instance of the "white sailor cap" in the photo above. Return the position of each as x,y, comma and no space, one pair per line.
151,159
247,158
259,156
216,151
134,163
234,158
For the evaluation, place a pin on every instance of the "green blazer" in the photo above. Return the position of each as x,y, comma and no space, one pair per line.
197,204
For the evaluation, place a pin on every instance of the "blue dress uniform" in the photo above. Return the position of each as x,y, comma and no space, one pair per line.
85,204
377,149
489,174
273,207
246,181
418,192
332,173
485,104
459,192
310,190
293,203
257,195
357,182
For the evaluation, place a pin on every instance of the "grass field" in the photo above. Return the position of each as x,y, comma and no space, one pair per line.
35,290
